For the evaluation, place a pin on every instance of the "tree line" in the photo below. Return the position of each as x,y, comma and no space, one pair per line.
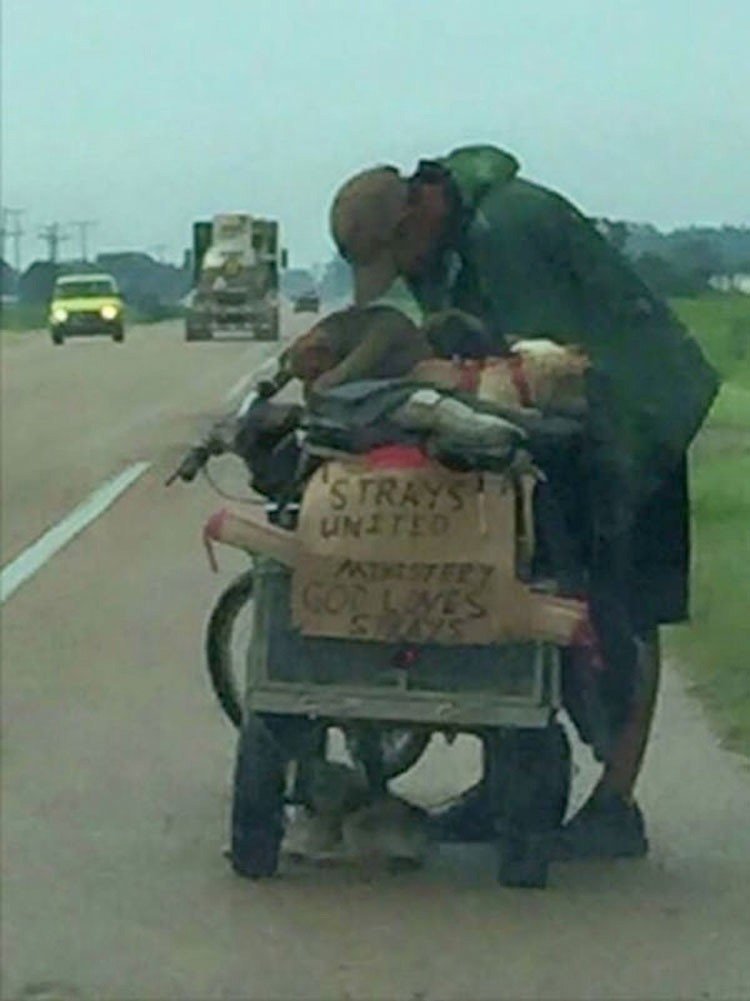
681,262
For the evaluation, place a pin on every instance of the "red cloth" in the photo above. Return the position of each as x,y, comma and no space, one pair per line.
469,375
397,457
517,374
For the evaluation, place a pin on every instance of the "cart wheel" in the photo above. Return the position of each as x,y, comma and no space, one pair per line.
195,331
268,327
258,799
227,639
529,781
558,775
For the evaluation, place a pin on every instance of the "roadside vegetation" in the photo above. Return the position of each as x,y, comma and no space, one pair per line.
714,647
18,317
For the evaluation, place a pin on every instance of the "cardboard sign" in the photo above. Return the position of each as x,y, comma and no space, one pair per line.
419,555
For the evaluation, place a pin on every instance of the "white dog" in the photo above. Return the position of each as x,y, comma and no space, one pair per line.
342,820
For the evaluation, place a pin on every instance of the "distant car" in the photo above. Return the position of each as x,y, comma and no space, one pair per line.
307,302
86,304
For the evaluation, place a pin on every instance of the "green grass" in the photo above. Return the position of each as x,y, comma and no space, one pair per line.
714,647
721,323
20,316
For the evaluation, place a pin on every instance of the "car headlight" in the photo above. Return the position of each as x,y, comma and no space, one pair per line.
109,312
59,315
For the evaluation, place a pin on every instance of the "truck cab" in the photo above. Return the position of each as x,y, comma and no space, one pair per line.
236,260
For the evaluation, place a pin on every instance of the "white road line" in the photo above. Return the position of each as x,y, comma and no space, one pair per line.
244,381
238,387
251,379
245,405
266,368
32,559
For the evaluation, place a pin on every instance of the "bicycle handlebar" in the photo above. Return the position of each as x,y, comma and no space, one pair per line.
216,444
191,465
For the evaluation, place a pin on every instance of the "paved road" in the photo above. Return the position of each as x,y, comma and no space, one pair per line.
116,763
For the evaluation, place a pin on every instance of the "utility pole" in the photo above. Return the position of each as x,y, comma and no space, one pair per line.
83,226
15,233
53,236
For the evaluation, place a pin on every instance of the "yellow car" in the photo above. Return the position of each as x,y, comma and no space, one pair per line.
86,304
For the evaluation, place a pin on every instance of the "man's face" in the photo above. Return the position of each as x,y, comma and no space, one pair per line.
421,233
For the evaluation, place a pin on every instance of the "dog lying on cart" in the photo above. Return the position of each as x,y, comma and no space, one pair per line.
398,589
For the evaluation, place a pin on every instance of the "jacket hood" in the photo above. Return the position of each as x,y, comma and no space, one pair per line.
476,169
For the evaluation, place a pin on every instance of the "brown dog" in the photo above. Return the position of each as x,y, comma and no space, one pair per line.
357,343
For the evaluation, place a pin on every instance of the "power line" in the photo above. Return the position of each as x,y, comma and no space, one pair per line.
53,235
15,233
83,226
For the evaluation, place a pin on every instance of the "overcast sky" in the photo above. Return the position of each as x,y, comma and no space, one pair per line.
146,114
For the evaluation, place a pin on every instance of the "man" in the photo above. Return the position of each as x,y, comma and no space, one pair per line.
466,231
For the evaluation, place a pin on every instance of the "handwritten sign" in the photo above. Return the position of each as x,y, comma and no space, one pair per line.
421,602
415,555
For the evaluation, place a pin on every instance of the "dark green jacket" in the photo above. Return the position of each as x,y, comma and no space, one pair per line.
531,264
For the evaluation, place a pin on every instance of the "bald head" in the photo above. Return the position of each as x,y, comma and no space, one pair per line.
385,226
366,212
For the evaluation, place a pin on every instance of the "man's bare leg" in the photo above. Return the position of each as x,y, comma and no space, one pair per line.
622,770
610,823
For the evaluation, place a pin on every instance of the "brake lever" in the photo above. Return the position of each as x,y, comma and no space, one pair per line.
192,464
218,442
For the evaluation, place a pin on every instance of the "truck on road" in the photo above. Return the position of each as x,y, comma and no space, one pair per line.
236,262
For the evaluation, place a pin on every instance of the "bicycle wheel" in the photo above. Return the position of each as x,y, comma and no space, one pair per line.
226,644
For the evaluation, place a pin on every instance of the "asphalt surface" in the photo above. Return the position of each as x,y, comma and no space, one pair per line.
116,763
